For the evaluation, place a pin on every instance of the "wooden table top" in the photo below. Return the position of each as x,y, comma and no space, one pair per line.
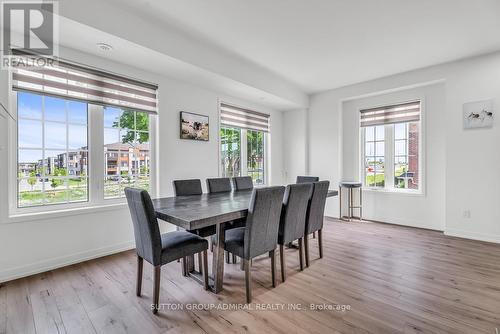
198,211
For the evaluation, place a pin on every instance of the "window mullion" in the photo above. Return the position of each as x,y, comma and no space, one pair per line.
244,152
389,156
96,154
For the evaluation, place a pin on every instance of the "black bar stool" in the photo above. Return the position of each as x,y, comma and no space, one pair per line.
350,207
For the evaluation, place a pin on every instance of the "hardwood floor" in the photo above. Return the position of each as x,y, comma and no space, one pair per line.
394,279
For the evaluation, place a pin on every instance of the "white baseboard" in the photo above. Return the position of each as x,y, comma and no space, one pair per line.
62,261
452,232
402,222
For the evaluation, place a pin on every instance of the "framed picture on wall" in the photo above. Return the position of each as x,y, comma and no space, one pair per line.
478,114
194,126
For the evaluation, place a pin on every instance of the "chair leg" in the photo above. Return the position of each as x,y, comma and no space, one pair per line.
273,267
306,249
248,282
234,259
156,289
227,257
314,235
140,263
301,255
282,262
320,243
184,267
205,270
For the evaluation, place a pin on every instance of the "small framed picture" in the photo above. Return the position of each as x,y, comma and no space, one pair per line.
478,114
194,126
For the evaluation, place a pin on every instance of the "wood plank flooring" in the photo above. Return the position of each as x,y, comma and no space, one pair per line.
391,279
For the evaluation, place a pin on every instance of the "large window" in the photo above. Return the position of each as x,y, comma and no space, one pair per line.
126,151
52,150
82,135
391,147
255,156
406,153
239,143
230,141
243,142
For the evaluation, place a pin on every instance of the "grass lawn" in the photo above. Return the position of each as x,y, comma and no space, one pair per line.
76,192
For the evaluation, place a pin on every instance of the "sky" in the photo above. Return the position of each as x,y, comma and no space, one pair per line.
58,133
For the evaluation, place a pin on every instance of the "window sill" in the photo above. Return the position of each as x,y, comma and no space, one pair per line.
395,191
34,216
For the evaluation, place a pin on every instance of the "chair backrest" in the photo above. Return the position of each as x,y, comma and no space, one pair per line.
146,230
307,179
316,209
261,231
187,187
243,183
219,185
293,212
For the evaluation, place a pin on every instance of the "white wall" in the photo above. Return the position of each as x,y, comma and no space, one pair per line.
472,156
295,144
33,244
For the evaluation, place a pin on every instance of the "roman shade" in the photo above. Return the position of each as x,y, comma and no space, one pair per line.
69,80
399,113
232,116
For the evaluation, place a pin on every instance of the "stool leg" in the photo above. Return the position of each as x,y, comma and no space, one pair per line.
350,204
340,202
360,203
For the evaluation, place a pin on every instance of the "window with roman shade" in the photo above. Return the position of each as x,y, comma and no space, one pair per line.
73,81
391,149
243,134
82,136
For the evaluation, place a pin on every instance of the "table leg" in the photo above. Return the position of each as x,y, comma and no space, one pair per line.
218,258
190,263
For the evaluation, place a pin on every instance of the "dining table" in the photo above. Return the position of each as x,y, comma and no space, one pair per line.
196,212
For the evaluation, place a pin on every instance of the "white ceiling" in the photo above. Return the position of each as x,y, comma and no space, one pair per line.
323,44
76,36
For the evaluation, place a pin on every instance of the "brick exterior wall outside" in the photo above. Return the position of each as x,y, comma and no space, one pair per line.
413,132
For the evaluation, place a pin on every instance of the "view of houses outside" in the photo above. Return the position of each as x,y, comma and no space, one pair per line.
53,158
231,143
406,141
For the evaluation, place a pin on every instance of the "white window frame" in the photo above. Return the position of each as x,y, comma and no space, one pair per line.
244,148
95,128
389,154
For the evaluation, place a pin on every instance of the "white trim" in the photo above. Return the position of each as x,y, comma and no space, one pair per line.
62,261
63,212
452,232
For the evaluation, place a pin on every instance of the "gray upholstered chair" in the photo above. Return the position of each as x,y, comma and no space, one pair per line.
307,179
243,183
187,187
315,216
260,235
159,249
219,185
293,220
192,187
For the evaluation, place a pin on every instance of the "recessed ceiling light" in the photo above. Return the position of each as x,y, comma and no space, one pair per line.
104,46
